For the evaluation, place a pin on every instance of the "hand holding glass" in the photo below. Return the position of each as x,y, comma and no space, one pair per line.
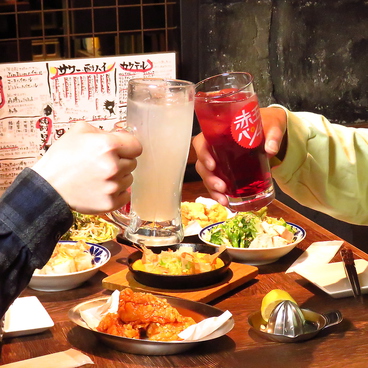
228,113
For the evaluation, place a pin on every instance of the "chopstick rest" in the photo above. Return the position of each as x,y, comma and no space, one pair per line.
65,359
350,270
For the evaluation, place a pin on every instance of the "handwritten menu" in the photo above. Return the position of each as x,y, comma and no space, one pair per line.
40,101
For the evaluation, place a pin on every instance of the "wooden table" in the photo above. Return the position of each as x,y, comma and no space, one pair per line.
344,345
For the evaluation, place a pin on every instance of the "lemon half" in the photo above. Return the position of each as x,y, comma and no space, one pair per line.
271,300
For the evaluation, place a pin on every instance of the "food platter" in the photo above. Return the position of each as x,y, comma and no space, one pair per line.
258,256
91,228
194,227
196,310
181,281
67,281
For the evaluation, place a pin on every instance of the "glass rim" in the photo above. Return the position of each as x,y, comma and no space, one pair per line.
251,79
169,82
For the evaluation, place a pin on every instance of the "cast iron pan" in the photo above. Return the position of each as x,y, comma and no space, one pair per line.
181,281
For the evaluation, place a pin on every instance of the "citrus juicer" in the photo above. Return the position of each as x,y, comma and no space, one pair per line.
289,323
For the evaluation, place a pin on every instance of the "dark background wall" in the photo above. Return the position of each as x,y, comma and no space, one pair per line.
307,55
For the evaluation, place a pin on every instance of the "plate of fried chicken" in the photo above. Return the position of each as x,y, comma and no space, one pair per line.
148,324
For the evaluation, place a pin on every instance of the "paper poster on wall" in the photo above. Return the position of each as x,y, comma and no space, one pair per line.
40,101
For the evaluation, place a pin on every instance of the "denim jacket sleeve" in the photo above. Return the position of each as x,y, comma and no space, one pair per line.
33,217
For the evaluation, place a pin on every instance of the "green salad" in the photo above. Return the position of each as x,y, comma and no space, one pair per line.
251,229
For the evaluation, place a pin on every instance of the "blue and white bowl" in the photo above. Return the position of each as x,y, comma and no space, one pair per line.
257,256
71,280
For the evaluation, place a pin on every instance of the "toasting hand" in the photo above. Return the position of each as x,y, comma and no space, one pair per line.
274,126
90,168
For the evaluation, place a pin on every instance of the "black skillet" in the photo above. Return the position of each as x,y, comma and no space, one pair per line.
181,281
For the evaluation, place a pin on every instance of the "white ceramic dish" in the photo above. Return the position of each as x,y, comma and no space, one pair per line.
259,256
71,280
331,277
26,316
148,347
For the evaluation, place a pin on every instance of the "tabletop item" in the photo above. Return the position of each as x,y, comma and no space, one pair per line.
228,113
345,344
197,310
70,358
176,282
258,256
350,270
91,228
286,319
318,253
301,325
331,277
160,115
196,218
204,327
26,316
238,275
67,281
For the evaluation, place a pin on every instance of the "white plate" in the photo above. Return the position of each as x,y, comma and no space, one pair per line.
26,316
257,256
60,282
331,277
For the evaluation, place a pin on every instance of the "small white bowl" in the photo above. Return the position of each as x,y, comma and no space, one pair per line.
71,280
257,256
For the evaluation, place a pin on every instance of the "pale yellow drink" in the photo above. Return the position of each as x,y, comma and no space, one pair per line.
162,123
156,190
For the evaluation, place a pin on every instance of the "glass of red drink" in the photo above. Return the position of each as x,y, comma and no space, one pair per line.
228,113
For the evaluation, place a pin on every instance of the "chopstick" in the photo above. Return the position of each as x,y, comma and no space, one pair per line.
350,270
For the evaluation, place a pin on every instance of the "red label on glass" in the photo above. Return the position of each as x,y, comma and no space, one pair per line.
246,129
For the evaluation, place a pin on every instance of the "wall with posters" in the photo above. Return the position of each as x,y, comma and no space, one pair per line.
39,101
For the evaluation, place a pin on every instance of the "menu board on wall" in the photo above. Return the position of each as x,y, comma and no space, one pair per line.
40,101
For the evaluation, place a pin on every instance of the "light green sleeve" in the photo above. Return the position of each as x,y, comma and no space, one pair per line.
326,167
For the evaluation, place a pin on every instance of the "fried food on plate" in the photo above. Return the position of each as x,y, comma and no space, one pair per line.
68,258
204,215
113,325
143,315
168,331
145,308
183,261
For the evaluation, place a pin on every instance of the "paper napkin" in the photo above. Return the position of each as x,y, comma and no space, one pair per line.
205,327
65,359
93,316
318,253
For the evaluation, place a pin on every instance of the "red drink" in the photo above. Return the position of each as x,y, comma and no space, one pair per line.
231,123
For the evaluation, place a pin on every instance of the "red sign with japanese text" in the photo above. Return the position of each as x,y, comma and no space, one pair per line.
246,129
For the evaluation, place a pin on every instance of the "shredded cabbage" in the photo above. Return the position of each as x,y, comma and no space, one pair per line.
91,228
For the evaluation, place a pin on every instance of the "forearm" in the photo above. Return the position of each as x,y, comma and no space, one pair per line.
33,217
325,167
